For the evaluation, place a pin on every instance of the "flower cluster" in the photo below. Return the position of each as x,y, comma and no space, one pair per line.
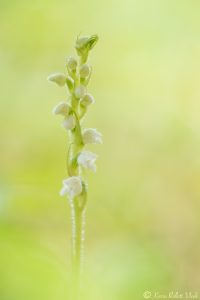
76,79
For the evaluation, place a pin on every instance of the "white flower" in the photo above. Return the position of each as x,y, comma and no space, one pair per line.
72,63
92,136
58,78
79,91
69,123
84,71
87,160
72,187
87,100
61,108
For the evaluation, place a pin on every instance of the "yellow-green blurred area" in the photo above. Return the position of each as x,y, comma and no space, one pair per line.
142,227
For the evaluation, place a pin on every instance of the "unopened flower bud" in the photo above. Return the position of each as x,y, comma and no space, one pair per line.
84,71
79,91
92,136
87,100
84,44
69,123
58,78
72,64
70,83
61,108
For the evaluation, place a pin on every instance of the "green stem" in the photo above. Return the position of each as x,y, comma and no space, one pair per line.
77,204
77,213
78,222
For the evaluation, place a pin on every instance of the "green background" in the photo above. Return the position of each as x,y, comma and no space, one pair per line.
142,228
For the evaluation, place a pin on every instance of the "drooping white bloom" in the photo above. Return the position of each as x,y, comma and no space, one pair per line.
87,100
61,108
92,136
72,187
58,78
69,123
84,71
72,63
87,160
79,91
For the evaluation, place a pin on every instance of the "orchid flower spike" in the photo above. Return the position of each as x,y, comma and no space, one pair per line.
76,80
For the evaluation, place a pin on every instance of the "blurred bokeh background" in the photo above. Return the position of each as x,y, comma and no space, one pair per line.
142,229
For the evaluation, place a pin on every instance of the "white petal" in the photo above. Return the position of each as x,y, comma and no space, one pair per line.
87,100
61,108
79,91
58,78
84,71
72,186
92,136
92,166
72,63
87,160
63,191
69,123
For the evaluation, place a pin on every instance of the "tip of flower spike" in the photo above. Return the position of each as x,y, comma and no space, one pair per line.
93,40
84,44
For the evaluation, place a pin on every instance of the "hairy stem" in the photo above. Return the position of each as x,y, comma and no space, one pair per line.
77,210
78,222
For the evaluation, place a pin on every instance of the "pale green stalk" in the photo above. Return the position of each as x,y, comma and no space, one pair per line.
77,221
77,205
75,186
